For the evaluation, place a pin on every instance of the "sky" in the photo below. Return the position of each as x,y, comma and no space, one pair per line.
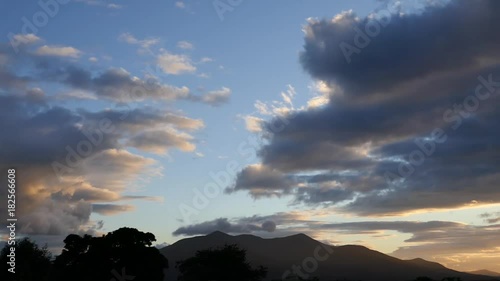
355,122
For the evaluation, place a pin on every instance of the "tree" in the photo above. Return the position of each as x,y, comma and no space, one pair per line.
222,264
125,254
31,261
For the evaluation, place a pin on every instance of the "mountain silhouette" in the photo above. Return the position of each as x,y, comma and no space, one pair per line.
486,272
315,259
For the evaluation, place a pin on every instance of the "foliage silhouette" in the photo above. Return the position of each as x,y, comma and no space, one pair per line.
227,263
31,262
125,254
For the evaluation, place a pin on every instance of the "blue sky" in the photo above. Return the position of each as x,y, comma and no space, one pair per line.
230,73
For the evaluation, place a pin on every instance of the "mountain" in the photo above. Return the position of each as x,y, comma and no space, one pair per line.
314,258
486,272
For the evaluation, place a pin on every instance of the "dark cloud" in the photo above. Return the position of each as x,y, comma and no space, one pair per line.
224,225
412,119
491,218
408,47
111,209
261,181
119,85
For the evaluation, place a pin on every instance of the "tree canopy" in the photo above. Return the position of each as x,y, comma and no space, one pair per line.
124,254
31,262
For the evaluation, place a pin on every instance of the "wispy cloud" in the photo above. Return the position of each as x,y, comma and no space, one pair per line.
185,45
145,44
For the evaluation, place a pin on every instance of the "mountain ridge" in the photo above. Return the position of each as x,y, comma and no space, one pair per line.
347,262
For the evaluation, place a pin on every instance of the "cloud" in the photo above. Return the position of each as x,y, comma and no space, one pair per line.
180,4
214,98
435,240
175,64
159,142
24,39
144,44
119,85
408,93
261,181
69,159
114,6
59,51
206,59
185,45
253,124
101,3
111,209
224,225
491,218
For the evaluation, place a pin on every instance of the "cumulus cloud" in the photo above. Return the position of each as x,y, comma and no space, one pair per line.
407,123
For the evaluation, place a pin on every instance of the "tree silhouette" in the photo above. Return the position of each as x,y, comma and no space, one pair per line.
451,279
31,262
222,264
424,278
125,254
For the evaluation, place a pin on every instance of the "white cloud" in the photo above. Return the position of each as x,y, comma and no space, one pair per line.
278,107
101,3
321,94
206,59
59,51
114,6
253,124
185,45
93,59
20,39
175,64
180,5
